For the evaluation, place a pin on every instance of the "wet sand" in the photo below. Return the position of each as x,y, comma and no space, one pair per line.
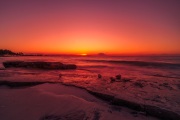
55,102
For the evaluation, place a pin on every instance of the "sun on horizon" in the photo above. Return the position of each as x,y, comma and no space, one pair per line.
83,54
73,27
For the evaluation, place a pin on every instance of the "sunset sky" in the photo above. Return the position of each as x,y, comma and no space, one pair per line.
90,26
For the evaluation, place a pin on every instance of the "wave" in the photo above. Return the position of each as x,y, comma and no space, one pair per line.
139,63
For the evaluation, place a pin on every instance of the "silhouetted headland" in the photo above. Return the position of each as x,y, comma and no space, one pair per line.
5,52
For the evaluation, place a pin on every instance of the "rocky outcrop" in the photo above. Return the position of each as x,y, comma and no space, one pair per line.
99,76
20,84
39,65
151,110
147,109
118,77
155,111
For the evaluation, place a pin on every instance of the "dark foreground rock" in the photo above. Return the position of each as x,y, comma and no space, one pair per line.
151,110
147,109
39,65
19,84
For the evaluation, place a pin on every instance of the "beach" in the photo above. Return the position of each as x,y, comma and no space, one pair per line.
55,101
148,89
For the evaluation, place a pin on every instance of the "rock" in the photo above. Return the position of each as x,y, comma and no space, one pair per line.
12,64
163,114
103,96
112,79
39,65
139,84
99,76
60,75
118,77
126,79
155,111
19,84
166,85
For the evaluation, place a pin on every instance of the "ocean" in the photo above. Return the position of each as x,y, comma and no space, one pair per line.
140,67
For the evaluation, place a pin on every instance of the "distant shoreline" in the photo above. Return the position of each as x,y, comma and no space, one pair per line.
9,53
95,55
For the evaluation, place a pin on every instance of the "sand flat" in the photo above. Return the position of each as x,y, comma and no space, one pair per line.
50,101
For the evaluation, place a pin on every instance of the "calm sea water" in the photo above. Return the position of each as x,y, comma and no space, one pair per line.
88,66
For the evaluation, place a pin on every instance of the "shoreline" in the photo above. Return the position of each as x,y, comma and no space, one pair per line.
57,101
148,110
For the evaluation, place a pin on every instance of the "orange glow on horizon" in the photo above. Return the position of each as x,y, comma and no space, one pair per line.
74,27
83,54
